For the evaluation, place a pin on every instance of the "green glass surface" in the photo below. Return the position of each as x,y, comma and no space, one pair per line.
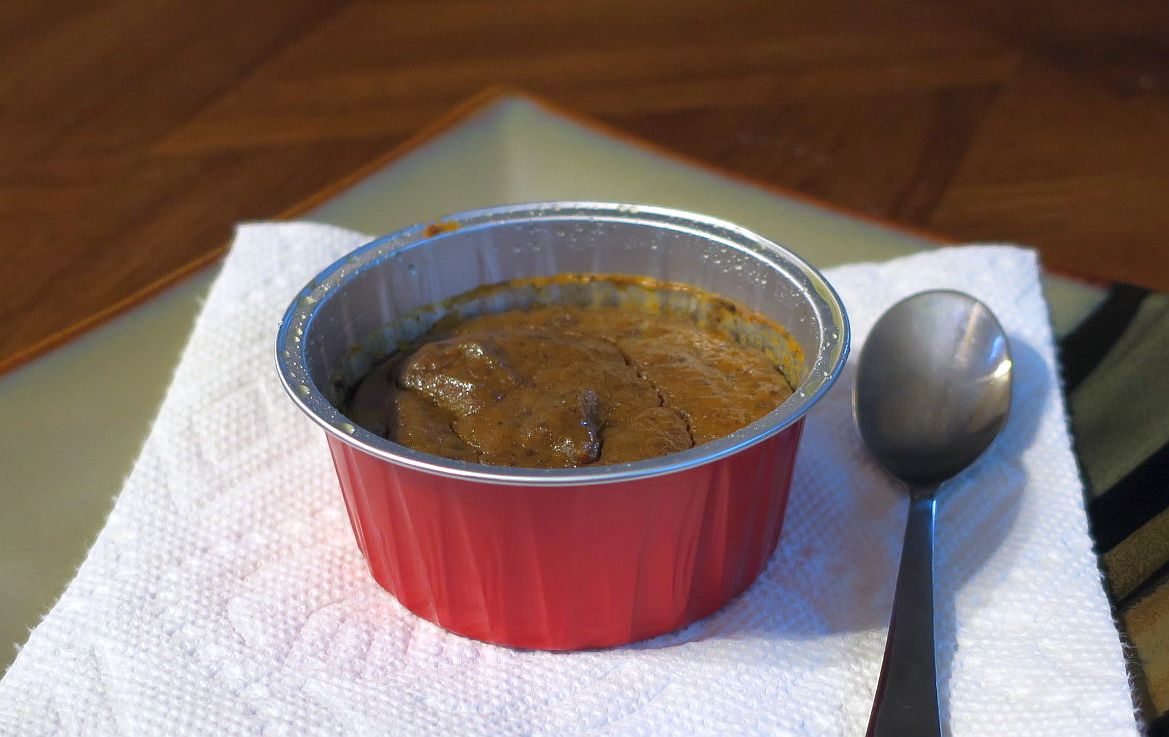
72,422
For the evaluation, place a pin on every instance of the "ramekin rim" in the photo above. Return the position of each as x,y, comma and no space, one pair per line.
291,350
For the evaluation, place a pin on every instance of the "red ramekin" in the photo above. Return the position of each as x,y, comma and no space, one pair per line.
558,559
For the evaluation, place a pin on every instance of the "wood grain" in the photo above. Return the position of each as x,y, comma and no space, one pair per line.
133,135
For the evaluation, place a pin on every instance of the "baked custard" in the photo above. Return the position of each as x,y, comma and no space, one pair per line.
565,385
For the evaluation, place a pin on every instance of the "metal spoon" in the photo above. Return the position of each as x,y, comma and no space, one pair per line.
933,388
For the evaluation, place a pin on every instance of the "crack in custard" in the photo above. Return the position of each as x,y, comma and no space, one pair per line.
641,374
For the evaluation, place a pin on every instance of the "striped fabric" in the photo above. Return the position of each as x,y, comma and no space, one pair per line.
1116,375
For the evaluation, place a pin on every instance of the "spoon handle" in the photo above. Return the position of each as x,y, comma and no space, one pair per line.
906,702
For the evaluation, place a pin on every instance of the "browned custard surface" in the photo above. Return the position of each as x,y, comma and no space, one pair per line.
565,386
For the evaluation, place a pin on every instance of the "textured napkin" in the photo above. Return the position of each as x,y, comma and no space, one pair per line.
226,594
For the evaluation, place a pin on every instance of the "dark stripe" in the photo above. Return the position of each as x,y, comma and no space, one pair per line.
1131,502
1159,727
1082,350
1156,580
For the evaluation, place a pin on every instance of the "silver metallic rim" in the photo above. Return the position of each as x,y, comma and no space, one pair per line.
292,359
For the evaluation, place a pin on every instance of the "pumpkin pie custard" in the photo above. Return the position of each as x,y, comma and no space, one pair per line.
558,386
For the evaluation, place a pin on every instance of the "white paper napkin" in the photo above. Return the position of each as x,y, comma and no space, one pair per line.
226,594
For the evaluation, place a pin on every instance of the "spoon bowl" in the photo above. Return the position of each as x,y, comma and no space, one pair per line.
933,390
934,385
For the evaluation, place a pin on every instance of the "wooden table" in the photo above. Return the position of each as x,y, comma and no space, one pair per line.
135,134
